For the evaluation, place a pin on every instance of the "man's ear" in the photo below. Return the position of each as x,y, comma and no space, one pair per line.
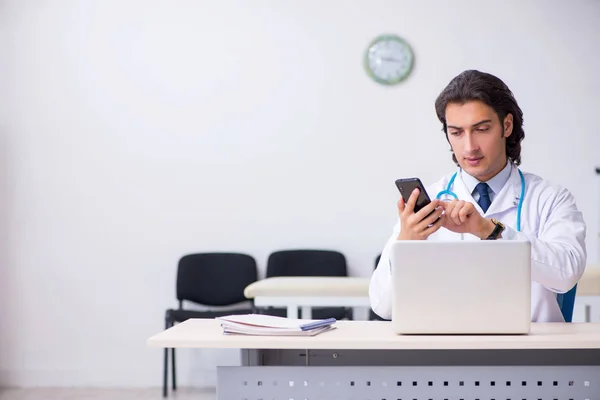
508,125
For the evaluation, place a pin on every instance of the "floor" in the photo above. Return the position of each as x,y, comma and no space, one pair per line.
104,394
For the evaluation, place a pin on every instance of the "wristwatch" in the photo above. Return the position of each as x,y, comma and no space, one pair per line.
497,230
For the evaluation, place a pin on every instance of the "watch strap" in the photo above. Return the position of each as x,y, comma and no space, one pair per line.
499,227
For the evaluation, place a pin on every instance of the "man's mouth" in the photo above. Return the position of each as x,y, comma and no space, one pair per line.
473,160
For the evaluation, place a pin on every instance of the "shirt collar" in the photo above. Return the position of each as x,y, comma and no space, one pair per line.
496,183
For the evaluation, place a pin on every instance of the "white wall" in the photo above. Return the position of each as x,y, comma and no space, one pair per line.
133,132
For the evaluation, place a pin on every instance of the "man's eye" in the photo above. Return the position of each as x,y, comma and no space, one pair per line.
454,133
483,129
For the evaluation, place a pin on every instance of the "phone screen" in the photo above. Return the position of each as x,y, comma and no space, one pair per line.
406,187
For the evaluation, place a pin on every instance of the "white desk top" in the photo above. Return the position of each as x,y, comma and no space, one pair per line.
298,286
309,286
589,284
198,333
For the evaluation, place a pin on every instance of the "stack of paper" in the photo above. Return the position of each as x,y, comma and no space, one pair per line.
268,325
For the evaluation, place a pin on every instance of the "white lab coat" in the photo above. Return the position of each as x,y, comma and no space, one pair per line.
549,220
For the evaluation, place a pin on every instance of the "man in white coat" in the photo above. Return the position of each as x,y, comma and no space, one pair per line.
490,198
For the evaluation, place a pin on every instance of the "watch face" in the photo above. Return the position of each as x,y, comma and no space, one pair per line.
389,59
495,221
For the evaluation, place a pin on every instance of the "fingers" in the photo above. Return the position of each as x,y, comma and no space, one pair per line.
465,212
428,209
454,215
449,210
458,211
448,206
430,219
412,200
432,228
401,205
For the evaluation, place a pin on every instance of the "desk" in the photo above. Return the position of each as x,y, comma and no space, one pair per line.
366,360
307,292
589,284
588,289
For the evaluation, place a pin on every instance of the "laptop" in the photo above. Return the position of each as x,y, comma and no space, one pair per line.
461,287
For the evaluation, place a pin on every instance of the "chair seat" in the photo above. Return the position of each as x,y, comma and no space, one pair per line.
183,315
375,317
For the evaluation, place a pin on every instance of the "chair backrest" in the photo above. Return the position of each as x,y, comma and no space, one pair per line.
566,302
377,261
306,263
215,279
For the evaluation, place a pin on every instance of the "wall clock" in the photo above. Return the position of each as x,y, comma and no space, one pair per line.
389,59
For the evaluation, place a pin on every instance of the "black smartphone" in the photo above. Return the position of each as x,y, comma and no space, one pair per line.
406,187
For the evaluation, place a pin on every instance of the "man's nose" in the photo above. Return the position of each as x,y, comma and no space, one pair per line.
471,145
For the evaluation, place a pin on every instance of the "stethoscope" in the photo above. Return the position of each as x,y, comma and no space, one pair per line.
449,192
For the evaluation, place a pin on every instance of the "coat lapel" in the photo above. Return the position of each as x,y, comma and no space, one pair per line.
509,195
505,200
461,190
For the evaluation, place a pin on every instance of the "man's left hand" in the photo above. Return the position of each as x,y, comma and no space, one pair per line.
463,217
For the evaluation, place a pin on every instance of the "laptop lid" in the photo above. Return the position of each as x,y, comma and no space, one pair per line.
461,287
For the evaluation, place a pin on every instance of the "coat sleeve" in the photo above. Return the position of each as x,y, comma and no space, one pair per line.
558,254
380,287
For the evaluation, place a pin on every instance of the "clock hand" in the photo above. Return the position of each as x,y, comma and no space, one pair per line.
390,59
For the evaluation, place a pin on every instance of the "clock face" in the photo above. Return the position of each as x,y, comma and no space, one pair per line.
388,59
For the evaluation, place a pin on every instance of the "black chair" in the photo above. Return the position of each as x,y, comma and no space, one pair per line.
309,263
209,279
372,315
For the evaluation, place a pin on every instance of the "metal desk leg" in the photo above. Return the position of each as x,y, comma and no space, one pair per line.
588,313
292,311
306,312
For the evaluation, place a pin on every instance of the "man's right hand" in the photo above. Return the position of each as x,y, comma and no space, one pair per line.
417,226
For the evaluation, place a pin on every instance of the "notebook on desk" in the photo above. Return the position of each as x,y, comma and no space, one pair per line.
268,325
462,287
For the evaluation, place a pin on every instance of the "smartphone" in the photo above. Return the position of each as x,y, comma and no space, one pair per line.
406,187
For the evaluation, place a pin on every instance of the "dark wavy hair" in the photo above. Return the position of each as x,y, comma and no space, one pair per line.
475,85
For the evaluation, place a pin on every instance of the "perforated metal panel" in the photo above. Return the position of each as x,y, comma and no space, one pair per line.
409,383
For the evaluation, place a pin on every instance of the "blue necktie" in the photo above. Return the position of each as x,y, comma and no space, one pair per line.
484,196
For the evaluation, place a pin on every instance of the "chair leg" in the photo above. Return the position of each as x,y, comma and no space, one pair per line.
173,365
166,373
166,361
